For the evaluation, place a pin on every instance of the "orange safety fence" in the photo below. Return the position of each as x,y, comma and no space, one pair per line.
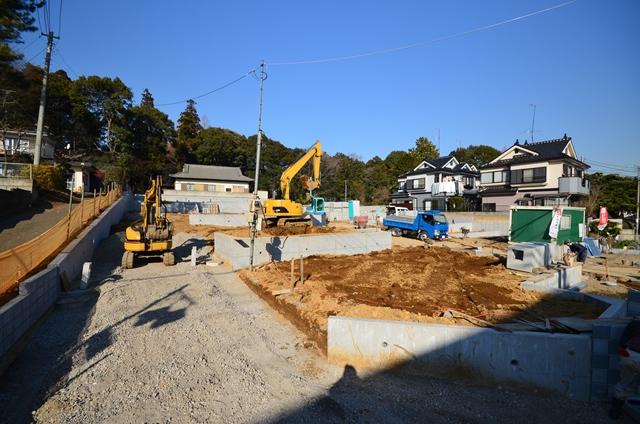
20,261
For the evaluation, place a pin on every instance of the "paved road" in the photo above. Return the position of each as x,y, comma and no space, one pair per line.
24,226
179,344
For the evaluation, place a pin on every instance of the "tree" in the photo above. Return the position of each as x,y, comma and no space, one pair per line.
188,129
217,146
16,17
424,149
147,98
107,100
616,192
476,155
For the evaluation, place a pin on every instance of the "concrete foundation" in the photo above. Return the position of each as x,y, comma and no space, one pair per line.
220,219
561,278
527,256
559,363
236,251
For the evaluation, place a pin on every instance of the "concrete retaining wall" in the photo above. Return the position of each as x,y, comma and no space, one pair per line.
562,278
220,219
236,203
284,248
39,293
559,363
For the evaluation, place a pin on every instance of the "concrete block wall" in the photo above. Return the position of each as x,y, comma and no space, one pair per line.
37,294
527,256
220,219
605,362
567,278
559,363
284,248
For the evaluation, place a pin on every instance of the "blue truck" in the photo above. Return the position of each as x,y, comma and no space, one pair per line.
424,225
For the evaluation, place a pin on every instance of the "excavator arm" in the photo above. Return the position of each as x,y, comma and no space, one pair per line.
314,153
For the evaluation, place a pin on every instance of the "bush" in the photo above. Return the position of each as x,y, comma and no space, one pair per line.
611,230
455,203
48,177
630,244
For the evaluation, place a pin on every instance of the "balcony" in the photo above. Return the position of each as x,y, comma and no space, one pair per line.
573,185
448,188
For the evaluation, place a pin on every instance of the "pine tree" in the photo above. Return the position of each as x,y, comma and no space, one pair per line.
147,98
189,128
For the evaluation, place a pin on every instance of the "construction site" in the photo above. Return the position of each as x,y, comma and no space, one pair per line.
448,253
329,317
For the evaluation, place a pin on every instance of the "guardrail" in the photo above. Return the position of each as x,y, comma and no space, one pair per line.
20,261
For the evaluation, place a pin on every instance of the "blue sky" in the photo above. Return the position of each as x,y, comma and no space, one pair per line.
580,64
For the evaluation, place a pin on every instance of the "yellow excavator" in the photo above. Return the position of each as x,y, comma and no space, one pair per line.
281,212
152,234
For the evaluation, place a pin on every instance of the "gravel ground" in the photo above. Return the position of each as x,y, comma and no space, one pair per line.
183,344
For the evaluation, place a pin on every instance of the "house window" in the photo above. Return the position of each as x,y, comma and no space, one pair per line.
228,189
494,177
530,175
211,187
416,184
190,187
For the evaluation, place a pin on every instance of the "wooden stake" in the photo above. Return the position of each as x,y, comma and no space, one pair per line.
301,270
94,203
292,278
82,205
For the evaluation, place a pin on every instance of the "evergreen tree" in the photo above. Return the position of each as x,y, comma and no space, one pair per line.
147,98
16,16
424,149
189,128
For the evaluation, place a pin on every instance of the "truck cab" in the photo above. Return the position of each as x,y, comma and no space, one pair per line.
424,225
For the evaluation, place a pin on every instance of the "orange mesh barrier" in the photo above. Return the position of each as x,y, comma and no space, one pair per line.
20,261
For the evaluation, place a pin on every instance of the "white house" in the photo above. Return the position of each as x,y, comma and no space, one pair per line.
211,178
544,173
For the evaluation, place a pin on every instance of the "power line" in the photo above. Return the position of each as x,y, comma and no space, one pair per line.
26,47
209,92
59,53
614,165
60,19
36,55
423,43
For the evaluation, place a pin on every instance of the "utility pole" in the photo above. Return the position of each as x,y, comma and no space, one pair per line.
345,190
256,205
43,98
533,121
637,203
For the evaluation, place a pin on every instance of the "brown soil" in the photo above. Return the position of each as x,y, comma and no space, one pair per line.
405,283
289,231
181,224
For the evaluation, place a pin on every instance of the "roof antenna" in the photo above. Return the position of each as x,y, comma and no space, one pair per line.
533,120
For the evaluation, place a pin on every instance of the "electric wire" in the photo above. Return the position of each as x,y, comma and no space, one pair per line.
422,43
26,47
610,164
209,92
35,55
56,49
60,19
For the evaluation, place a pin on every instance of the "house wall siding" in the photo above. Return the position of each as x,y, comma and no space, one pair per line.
218,186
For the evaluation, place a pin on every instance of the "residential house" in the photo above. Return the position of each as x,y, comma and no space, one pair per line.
24,142
544,173
433,181
209,178
84,177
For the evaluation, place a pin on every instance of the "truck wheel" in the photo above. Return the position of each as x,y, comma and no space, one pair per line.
423,236
396,232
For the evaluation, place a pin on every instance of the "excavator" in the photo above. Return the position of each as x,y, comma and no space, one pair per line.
284,211
152,234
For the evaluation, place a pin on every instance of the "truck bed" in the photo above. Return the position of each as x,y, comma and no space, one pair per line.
403,219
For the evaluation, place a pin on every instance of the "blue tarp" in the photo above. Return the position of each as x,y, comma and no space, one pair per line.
592,246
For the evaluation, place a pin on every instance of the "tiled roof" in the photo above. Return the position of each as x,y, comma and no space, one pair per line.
211,172
439,164
546,150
